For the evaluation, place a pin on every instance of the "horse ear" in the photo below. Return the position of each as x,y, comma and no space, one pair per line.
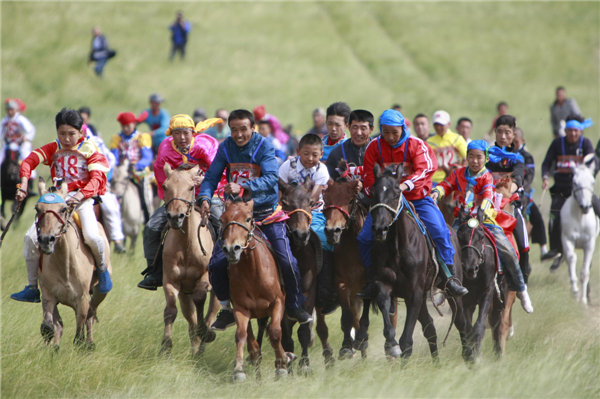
399,171
168,170
125,163
250,204
227,203
356,186
377,171
194,171
480,215
308,184
64,189
588,161
282,185
462,214
42,186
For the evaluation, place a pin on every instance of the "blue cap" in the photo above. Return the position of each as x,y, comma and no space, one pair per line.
574,124
51,198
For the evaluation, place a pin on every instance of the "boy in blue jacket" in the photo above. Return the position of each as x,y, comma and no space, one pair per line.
251,165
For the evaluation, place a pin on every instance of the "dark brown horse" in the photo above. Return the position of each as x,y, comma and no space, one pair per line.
479,267
405,267
306,248
255,286
9,178
345,216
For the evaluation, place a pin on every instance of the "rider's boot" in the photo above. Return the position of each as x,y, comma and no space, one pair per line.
31,293
119,248
299,315
327,296
153,278
525,301
371,289
453,284
104,282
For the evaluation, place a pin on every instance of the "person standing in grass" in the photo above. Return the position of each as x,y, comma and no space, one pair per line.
319,127
158,120
560,109
100,53
179,35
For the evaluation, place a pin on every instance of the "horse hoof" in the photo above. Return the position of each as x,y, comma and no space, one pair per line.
360,345
346,353
363,354
239,376
305,371
393,351
47,332
511,332
209,336
291,357
280,373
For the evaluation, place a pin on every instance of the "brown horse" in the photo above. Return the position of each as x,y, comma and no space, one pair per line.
67,271
345,216
255,286
306,248
186,254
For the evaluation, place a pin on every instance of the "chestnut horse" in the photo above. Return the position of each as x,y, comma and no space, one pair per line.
404,266
186,254
255,286
67,270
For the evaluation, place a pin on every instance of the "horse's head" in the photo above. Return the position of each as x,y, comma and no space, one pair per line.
339,199
583,183
471,238
120,177
296,202
385,199
52,215
238,227
179,193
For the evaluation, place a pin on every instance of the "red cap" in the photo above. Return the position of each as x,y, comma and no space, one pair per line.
21,105
125,118
259,112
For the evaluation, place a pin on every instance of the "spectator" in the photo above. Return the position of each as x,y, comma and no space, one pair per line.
502,109
464,127
338,117
449,147
421,123
100,53
319,127
264,128
560,110
85,114
158,121
398,107
260,113
180,30
220,131
199,115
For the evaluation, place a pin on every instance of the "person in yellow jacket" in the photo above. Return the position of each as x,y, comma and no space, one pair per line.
450,148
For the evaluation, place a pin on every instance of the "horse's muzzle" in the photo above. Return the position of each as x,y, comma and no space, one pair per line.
300,238
175,221
233,253
47,243
470,272
380,234
585,209
333,235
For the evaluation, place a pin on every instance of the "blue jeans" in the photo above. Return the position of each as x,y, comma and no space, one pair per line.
318,226
100,66
434,222
276,233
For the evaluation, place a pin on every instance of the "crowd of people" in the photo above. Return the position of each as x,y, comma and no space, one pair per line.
248,152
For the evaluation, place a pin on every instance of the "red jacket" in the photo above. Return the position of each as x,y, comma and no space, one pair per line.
419,164
456,181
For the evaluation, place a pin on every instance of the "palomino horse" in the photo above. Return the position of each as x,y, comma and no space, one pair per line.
404,266
67,271
345,216
306,248
186,254
129,199
580,227
255,286
479,267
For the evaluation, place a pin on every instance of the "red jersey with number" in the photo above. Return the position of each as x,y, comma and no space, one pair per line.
83,167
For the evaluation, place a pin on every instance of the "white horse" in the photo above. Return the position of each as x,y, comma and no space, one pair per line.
129,199
580,227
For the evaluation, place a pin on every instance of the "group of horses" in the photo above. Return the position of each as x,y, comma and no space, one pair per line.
405,265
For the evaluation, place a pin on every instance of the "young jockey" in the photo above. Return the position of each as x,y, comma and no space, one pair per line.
183,145
450,148
251,165
563,153
337,123
476,180
79,163
310,151
17,132
504,157
394,146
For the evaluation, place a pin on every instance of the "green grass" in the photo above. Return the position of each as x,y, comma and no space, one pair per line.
462,57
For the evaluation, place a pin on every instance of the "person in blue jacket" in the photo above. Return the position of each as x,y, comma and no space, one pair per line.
158,120
246,148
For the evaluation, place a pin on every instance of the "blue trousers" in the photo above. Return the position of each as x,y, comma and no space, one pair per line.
277,235
434,222
318,226
100,66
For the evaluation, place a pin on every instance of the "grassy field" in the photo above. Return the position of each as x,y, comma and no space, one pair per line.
462,57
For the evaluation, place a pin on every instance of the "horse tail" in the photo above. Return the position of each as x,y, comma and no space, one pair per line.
374,307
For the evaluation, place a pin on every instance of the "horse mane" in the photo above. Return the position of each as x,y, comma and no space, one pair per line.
236,199
186,166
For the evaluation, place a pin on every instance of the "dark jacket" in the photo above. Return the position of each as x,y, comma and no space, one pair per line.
529,169
354,155
518,169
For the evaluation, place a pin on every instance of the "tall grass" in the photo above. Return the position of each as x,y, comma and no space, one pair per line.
462,57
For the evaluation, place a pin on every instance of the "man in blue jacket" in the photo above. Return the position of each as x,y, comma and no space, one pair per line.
245,148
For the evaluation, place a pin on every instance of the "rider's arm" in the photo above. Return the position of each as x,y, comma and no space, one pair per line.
98,168
588,148
550,158
39,155
446,187
333,161
269,170
519,173
114,148
213,175
145,143
371,157
424,164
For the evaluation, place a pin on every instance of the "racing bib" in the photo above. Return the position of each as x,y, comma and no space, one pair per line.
240,173
71,166
447,156
566,162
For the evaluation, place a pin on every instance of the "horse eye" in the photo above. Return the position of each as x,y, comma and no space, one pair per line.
192,188
64,210
164,188
248,220
312,202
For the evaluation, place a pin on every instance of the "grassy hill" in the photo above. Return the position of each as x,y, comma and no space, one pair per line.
462,57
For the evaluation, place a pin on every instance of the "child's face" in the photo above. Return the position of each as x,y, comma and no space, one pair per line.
264,129
518,141
504,135
68,136
475,160
182,137
310,155
128,129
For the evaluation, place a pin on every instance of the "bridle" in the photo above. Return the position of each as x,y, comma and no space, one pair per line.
395,212
576,189
249,230
189,203
469,246
350,217
64,222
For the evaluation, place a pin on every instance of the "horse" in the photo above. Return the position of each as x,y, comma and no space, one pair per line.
580,227
405,267
481,279
67,271
255,286
345,216
186,253
9,178
306,248
129,200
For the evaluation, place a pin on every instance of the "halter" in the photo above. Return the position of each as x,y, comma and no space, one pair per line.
190,203
396,211
479,254
308,214
577,189
349,216
65,224
250,232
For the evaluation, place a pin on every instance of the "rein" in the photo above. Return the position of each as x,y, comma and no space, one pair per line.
65,224
250,233
469,246
190,204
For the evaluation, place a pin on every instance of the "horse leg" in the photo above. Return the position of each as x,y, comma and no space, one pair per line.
588,252
81,312
361,341
262,327
428,330
304,336
188,311
461,325
254,350
478,332
132,244
275,334
571,256
202,331
242,318
170,314
323,333
213,308
347,321
505,321
58,327
95,301
392,349
413,307
287,329
48,306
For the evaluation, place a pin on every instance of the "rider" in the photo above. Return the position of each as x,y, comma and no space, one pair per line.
256,172
538,231
449,147
395,145
475,188
337,123
563,153
504,157
80,164
310,151
183,145
137,148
